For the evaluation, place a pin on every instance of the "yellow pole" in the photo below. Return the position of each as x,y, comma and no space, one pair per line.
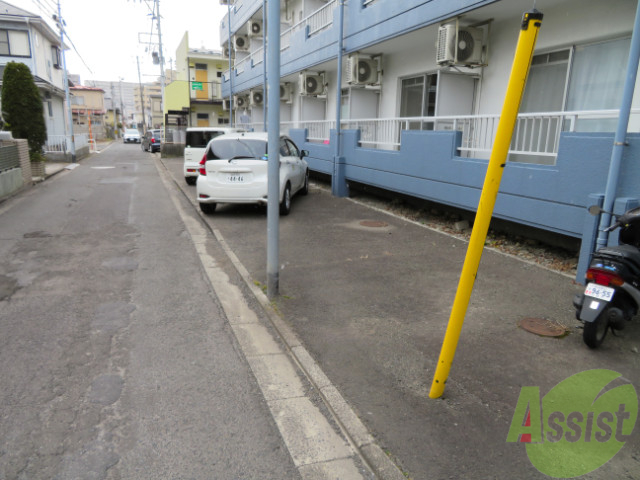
531,22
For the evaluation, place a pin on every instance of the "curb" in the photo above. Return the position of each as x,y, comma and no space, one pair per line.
349,423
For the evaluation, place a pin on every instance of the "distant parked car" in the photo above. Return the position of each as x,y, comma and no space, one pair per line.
131,135
151,141
234,170
195,144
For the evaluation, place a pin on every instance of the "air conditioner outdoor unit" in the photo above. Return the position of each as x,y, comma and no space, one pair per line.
286,92
240,101
465,48
256,98
363,70
225,2
225,104
241,42
311,84
254,28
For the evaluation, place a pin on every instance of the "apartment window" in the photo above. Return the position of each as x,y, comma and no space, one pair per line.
55,57
598,74
582,78
418,99
201,66
14,43
223,121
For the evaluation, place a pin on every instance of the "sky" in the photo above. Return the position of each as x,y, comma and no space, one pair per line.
110,34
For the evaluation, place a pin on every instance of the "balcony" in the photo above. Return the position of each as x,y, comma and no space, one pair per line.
535,139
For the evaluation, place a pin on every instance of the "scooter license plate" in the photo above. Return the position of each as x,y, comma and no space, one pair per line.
600,292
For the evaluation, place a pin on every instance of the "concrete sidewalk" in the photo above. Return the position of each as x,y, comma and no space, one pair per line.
370,294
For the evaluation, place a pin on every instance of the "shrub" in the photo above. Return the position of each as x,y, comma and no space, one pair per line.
22,108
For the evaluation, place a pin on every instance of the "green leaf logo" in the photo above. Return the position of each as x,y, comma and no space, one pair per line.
585,423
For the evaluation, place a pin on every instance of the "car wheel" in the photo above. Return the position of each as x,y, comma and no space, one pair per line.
305,187
208,208
191,181
285,205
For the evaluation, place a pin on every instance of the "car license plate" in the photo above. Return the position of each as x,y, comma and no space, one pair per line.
235,178
599,292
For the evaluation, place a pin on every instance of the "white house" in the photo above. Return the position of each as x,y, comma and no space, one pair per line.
26,38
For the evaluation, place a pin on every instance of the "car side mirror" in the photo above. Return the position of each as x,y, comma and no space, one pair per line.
304,153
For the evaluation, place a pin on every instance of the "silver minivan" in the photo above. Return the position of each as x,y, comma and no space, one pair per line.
195,144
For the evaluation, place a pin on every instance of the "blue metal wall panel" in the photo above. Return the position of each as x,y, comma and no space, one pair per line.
546,197
387,19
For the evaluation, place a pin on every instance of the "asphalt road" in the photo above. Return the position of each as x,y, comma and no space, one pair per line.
116,361
369,295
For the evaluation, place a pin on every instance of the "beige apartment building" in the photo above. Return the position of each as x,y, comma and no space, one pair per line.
87,107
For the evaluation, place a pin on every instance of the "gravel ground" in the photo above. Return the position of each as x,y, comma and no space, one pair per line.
564,260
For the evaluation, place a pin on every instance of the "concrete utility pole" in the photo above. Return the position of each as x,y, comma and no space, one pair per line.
230,71
124,122
69,121
162,73
144,122
113,108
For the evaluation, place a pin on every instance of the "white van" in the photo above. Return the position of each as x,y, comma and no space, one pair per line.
195,144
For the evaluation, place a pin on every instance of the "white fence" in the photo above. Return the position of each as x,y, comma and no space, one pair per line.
535,138
62,143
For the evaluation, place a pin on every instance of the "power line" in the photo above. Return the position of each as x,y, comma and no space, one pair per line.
52,4
43,9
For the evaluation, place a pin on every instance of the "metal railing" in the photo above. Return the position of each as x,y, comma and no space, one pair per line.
62,143
318,21
535,139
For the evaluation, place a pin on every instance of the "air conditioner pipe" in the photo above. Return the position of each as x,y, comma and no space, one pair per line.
273,148
621,133
339,186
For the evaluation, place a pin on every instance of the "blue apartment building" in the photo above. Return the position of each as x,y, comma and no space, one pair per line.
421,92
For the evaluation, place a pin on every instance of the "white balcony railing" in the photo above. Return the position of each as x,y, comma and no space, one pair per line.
535,138
318,21
62,143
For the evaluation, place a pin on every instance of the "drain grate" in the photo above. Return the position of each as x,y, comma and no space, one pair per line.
543,327
373,224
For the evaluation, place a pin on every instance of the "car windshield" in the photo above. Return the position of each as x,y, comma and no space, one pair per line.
131,131
237,148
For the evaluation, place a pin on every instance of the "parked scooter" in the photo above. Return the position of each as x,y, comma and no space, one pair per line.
612,293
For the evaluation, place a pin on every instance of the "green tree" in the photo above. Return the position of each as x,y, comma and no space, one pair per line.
22,109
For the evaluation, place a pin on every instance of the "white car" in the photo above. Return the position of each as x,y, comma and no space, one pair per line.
131,135
234,170
196,142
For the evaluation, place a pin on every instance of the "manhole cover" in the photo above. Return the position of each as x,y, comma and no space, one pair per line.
373,223
543,327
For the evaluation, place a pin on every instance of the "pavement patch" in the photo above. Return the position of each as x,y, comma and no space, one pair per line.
106,389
